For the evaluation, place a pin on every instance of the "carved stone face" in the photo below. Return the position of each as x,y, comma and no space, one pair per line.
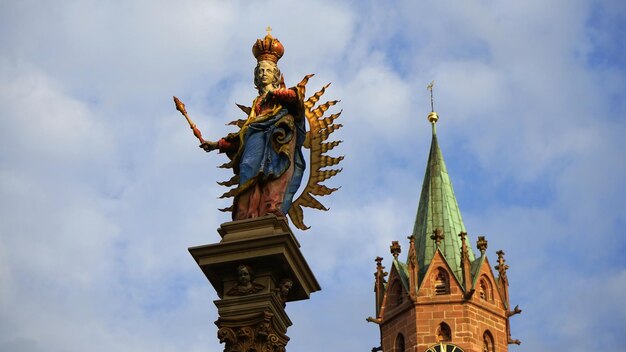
286,285
266,72
243,275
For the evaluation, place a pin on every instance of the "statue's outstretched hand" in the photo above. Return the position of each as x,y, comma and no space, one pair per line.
208,146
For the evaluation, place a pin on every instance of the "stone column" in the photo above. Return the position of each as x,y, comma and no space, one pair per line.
255,269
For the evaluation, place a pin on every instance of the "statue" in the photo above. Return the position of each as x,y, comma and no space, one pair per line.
266,153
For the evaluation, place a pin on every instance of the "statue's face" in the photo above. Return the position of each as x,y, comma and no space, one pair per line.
266,72
244,276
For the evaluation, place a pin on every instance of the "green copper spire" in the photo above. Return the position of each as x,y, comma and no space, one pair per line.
438,209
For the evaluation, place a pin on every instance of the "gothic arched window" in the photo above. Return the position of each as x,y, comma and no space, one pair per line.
442,282
399,347
484,289
488,342
444,334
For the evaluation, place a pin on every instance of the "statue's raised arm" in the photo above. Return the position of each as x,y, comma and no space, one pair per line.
266,152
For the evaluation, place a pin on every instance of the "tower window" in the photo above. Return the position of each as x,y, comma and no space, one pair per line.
444,334
484,289
442,282
488,345
399,343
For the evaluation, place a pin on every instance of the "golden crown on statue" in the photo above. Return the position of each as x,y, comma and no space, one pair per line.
268,48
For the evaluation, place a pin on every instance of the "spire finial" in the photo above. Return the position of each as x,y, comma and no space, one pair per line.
395,249
501,267
269,31
437,236
481,244
432,117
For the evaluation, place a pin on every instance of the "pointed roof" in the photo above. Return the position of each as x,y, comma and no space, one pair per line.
403,273
438,209
476,265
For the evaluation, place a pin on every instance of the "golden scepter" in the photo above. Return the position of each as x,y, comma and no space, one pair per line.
181,107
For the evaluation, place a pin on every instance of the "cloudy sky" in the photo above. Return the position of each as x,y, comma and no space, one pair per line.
103,188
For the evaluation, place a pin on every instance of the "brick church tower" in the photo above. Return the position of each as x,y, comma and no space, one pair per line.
443,297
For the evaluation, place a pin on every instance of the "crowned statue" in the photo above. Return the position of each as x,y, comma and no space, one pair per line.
266,153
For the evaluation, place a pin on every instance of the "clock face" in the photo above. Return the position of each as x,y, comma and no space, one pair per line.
444,347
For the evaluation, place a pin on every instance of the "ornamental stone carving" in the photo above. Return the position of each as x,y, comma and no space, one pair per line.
245,282
261,336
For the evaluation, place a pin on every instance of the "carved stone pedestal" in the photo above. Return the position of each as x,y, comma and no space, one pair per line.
255,269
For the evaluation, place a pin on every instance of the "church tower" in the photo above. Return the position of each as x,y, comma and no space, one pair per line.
443,297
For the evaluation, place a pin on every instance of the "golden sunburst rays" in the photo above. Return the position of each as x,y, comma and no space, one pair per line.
320,129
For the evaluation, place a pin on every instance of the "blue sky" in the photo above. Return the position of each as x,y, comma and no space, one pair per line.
103,187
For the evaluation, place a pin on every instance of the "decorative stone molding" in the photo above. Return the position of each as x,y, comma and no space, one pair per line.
259,334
